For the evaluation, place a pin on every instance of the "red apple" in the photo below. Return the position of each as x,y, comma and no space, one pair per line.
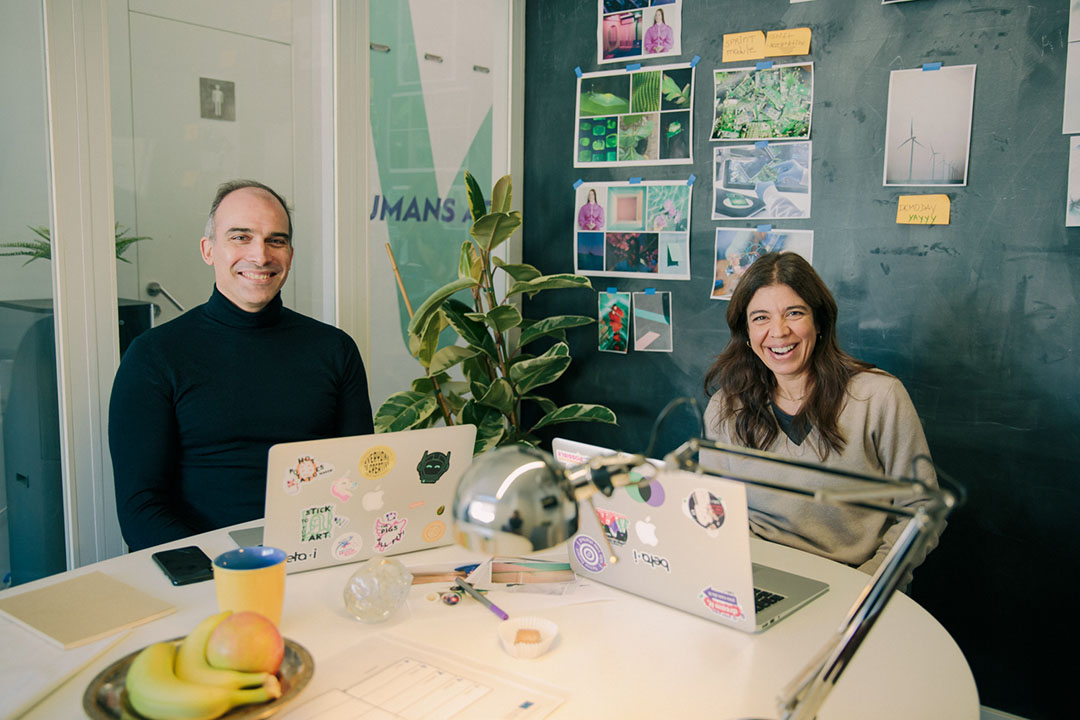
246,641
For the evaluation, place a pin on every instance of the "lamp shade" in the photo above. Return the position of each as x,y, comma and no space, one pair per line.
514,500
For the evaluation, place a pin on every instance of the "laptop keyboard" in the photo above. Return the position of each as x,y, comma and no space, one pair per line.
764,599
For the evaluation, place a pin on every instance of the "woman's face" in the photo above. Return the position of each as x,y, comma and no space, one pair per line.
782,330
592,196
658,17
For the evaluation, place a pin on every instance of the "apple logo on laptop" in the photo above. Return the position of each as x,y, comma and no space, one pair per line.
373,500
646,532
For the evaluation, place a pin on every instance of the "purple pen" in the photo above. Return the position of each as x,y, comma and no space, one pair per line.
490,605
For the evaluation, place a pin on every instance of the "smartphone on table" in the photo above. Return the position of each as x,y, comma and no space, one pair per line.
184,565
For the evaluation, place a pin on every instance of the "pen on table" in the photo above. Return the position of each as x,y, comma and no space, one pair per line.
490,605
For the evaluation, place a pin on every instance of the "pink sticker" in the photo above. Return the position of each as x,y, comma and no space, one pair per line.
389,530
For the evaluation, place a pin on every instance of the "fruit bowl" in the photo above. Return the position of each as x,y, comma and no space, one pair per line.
105,698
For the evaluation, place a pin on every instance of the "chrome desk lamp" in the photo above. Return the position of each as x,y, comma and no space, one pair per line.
517,499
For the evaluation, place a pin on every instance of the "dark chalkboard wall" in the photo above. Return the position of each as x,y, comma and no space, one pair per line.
978,318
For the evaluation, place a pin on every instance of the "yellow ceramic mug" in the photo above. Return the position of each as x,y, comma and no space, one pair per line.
251,578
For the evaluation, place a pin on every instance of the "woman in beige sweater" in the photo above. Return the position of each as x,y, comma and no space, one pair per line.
783,385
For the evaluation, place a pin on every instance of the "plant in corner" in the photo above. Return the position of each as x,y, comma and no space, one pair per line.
40,248
498,377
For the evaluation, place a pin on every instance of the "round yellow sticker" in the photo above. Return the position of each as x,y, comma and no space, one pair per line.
376,462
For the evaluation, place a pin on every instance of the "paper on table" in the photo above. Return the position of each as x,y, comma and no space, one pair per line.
39,667
83,609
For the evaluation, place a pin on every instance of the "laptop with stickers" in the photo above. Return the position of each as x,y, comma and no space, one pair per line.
682,540
342,500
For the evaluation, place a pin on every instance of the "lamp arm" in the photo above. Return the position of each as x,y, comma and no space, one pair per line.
803,697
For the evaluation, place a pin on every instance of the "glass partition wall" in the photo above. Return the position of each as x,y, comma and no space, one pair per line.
31,503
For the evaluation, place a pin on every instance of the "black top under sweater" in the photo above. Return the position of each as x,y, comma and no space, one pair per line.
198,401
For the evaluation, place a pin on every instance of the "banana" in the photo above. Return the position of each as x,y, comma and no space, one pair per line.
156,693
191,664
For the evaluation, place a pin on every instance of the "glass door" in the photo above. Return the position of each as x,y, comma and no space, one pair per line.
32,529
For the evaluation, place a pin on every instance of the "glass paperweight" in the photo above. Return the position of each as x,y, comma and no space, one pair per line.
377,589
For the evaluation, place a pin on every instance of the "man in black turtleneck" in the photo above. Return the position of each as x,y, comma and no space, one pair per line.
198,401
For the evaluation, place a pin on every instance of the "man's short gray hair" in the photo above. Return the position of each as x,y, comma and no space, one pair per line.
232,186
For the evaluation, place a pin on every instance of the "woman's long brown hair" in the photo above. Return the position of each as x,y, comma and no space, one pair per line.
748,385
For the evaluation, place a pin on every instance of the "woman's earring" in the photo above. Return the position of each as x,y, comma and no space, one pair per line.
747,343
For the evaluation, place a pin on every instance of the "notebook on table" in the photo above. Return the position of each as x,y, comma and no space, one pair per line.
682,540
342,500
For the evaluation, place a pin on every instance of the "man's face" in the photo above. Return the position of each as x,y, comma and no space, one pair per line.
251,250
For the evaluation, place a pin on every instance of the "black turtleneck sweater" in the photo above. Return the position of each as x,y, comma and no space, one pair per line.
198,401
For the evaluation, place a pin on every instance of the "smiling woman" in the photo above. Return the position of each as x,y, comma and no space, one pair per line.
784,385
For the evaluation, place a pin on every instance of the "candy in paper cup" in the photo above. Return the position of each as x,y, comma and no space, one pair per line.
527,637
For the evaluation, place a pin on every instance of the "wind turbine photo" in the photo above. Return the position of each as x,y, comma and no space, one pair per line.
939,102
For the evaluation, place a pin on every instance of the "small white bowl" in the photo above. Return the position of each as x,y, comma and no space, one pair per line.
508,630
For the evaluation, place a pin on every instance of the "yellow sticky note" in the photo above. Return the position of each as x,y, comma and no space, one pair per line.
744,46
795,41
923,210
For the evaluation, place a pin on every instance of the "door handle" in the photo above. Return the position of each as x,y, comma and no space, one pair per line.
154,289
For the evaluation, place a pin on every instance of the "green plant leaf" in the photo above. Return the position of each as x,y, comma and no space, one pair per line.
549,282
545,404
450,356
426,384
500,318
501,195
500,396
475,334
469,264
577,412
552,326
435,300
490,425
491,230
476,370
543,370
424,345
477,206
521,271
404,410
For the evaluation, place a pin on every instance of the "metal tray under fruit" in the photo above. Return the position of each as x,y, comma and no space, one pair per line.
105,698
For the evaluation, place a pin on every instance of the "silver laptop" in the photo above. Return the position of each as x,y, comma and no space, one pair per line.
343,500
682,540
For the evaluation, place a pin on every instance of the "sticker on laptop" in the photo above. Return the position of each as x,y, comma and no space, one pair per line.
306,469
433,531
651,494
316,523
646,532
705,509
589,553
343,488
654,561
340,521
615,525
725,604
432,466
347,546
389,530
376,462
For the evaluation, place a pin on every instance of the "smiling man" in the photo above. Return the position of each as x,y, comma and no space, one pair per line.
198,401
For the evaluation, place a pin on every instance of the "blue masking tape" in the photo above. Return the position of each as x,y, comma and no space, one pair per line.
647,315
577,71
931,66
764,228
634,180
695,60
764,65
578,183
633,66
690,180
613,289
650,291
761,144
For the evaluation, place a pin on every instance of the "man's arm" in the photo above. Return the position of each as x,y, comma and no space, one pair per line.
144,446
354,405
